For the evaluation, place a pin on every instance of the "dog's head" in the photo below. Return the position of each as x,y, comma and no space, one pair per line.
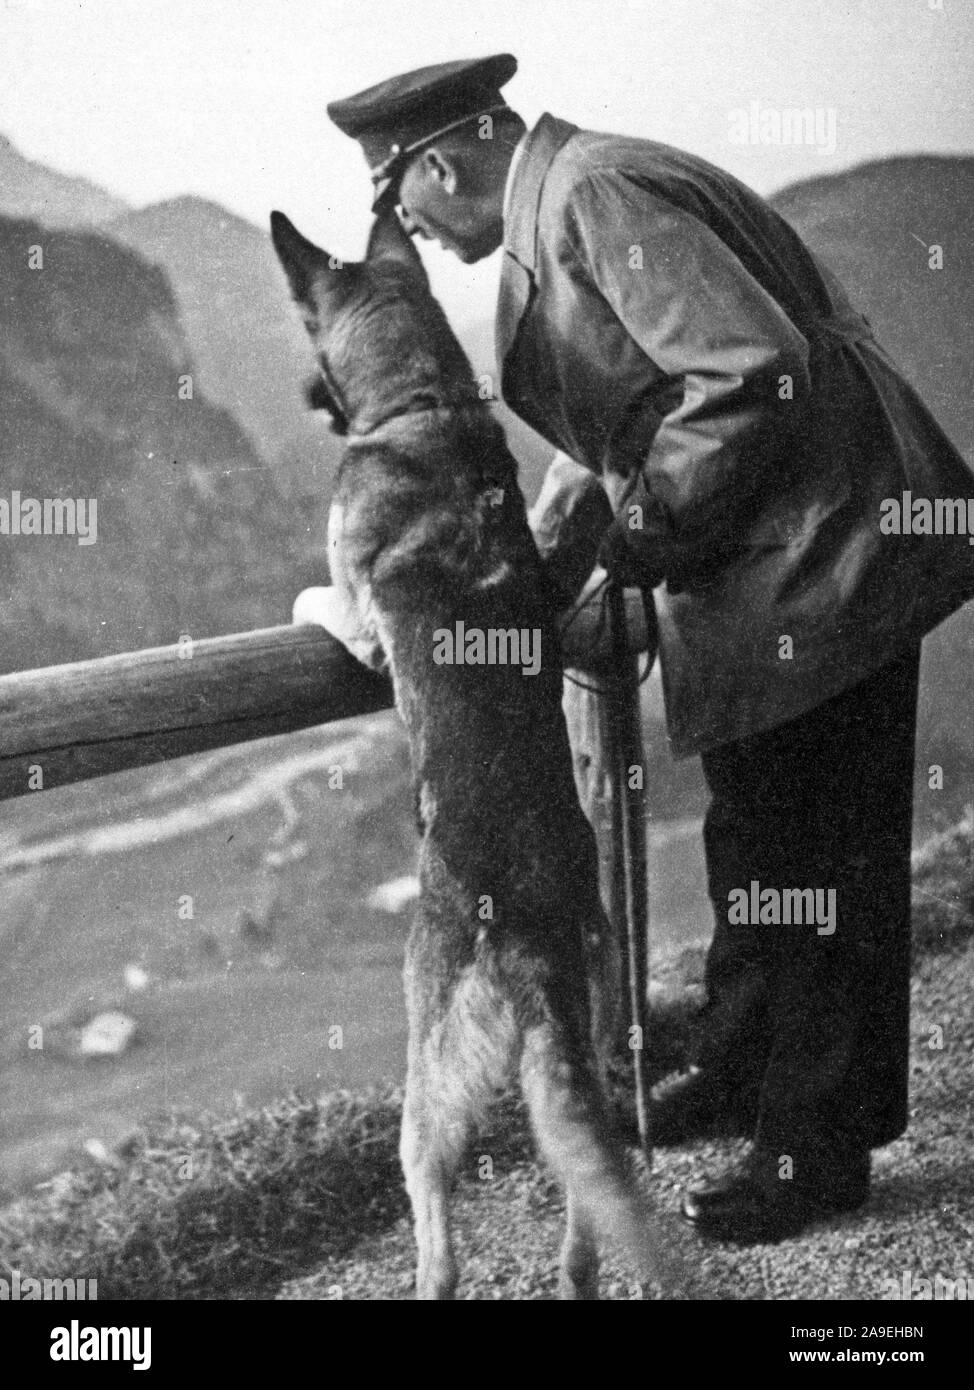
381,341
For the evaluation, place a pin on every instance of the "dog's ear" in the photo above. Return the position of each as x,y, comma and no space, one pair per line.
388,240
303,262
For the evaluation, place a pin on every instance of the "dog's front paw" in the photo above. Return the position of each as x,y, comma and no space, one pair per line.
323,606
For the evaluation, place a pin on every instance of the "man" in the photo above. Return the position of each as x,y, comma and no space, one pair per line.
662,326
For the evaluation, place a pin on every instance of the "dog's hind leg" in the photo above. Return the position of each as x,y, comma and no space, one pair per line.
430,1147
457,1062
564,1100
578,1276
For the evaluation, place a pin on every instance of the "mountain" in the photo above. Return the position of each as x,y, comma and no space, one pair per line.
248,342
876,225
193,535
29,189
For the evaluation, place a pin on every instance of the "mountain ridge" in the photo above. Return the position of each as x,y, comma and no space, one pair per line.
31,189
97,399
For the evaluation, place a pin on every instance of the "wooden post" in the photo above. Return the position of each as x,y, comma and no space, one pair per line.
587,716
588,731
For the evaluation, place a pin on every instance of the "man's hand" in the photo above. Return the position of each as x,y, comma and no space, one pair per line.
622,555
572,523
586,643
568,521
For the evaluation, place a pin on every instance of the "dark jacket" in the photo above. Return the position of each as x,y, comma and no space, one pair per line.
660,323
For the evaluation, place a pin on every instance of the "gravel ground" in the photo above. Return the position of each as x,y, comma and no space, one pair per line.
920,1216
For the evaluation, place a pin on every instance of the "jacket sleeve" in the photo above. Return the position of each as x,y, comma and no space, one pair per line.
722,445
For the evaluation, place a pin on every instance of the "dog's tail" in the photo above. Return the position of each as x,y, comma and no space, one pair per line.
570,1119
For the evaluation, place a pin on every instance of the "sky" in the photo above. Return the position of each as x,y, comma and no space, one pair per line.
226,98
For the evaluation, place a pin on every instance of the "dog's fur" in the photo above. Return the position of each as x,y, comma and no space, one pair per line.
429,528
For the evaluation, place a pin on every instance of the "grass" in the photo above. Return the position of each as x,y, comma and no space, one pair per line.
218,1208
245,1206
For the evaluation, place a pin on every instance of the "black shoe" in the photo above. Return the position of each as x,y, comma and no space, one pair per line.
754,1203
698,1105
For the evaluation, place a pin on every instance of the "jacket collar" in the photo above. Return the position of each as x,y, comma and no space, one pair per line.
512,170
520,233
541,145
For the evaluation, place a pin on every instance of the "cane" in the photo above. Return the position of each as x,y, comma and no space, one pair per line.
629,815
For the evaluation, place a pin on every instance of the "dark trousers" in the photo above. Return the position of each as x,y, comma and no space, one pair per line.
817,1025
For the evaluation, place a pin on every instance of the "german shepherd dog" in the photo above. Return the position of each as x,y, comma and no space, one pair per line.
429,531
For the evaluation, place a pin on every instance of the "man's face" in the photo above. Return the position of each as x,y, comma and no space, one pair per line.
434,206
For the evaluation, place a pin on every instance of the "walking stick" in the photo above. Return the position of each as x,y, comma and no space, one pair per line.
629,815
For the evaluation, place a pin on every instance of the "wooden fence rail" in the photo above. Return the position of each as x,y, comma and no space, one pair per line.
90,718
62,724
